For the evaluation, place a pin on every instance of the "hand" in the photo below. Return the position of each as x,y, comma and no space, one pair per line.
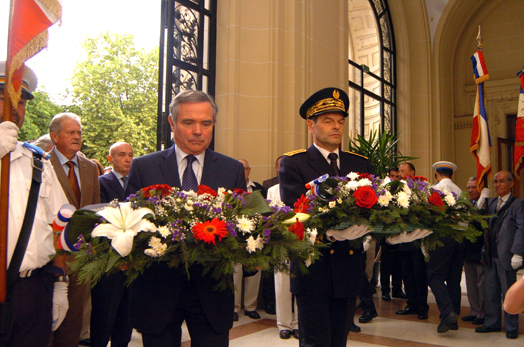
60,303
484,195
405,237
366,243
8,137
351,233
516,261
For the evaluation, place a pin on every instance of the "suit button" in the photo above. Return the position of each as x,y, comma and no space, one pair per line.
351,252
332,251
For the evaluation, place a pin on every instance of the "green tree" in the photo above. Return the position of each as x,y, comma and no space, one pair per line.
39,112
116,88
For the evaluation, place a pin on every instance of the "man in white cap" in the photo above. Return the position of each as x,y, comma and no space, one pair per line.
444,268
37,294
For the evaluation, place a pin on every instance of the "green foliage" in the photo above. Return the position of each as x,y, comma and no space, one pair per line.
381,149
39,112
115,88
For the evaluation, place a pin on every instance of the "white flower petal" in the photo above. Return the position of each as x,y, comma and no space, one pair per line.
123,243
105,229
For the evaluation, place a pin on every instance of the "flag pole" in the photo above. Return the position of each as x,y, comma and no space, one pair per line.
4,175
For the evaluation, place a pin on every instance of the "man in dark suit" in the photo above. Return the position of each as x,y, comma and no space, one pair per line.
162,298
326,295
110,315
272,181
78,177
506,245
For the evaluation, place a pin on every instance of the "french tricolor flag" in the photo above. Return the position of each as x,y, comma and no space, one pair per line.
480,146
519,129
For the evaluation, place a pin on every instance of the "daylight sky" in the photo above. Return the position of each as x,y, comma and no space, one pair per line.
54,65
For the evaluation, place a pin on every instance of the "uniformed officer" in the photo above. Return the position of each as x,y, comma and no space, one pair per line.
444,268
326,295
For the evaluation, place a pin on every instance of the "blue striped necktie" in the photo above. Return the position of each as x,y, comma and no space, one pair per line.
189,180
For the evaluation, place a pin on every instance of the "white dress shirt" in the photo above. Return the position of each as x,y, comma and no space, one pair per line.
198,164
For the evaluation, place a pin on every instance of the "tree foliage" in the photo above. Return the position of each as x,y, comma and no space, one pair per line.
115,86
39,112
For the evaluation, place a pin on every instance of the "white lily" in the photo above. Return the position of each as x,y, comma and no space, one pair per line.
124,224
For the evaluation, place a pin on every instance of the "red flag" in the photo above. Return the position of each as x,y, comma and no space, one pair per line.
28,36
519,129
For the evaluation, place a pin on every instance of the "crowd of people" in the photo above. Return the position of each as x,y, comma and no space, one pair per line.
48,307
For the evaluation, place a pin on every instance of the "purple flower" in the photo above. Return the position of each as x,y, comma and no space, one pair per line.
231,228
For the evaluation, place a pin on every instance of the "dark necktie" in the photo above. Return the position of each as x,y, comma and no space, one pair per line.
73,180
189,180
333,160
124,182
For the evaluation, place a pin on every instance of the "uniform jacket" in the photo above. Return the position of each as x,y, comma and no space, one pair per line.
110,188
339,270
155,293
508,228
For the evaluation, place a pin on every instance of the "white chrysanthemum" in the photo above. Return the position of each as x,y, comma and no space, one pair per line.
352,185
353,175
339,200
450,200
383,200
221,191
406,189
245,225
365,182
151,253
312,235
157,247
402,200
332,204
253,245
164,231
189,205
389,195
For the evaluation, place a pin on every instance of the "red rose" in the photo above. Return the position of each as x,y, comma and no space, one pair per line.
302,204
364,175
239,191
436,199
365,196
203,189
157,189
298,229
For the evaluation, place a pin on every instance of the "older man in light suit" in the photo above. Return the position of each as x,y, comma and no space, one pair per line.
506,244
78,177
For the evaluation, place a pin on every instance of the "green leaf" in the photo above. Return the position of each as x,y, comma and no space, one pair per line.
113,258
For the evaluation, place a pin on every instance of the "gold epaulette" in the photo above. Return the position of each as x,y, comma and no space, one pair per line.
289,154
360,155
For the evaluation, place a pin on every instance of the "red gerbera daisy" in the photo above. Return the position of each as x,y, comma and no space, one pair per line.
302,204
208,231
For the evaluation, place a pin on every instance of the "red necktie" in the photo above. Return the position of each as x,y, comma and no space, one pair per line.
73,180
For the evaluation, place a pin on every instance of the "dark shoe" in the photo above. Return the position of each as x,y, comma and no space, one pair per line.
512,334
235,317
423,316
484,329
270,309
406,311
478,321
386,297
447,322
354,328
367,317
296,334
469,318
400,295
85,342
285,334
454,326
252,314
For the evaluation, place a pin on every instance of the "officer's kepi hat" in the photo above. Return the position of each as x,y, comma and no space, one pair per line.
444,165
325,101
29,80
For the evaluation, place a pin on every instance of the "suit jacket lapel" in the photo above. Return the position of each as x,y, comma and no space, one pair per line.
169,168
318,163
504,211
86,188
210,170
114,183
64,181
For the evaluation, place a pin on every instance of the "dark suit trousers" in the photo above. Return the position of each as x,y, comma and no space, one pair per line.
496,283
316,332
444,275
390,268
110,316
415,280
366,292
189,309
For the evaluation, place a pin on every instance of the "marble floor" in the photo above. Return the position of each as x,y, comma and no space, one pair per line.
388,329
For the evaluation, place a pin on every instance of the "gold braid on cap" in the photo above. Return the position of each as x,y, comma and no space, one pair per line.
334,104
